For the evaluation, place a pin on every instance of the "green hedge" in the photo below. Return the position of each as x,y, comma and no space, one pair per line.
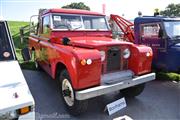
168,76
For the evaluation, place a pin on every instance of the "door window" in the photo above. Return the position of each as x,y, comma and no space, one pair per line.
151,35
150,31
46,24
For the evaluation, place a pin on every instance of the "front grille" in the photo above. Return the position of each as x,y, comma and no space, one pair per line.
113,59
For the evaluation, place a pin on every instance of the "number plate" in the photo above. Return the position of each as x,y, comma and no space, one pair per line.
116,106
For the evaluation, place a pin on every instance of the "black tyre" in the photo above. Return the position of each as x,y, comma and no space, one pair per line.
74,106
133,91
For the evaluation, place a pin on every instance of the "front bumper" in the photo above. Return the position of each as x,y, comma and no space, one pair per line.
107,88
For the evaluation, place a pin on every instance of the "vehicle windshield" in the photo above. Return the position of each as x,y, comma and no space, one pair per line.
5,47
78,22
172,29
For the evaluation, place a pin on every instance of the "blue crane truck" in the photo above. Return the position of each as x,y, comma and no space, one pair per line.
162,34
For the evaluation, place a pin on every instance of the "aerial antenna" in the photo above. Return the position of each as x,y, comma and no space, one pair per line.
104,8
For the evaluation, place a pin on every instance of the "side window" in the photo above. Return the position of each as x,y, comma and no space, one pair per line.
150,30
94,22
46,25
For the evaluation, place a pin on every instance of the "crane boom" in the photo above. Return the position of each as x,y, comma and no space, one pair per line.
125,26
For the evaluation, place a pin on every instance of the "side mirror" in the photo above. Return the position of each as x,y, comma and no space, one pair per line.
48,26
26,54
160,33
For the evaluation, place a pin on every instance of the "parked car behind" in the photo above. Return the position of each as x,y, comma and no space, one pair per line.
16,101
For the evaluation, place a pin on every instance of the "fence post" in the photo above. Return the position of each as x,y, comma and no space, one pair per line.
21,34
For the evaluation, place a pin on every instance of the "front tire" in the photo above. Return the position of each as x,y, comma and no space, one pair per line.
75,107
133,91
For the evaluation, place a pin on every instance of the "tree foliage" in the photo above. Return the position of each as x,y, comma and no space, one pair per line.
75,5
171,10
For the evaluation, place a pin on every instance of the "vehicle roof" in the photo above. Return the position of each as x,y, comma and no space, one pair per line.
147,19
72,11
1,20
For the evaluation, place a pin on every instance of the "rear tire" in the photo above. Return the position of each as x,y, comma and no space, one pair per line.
133,91
75,107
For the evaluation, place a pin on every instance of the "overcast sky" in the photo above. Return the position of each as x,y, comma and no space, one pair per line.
21,10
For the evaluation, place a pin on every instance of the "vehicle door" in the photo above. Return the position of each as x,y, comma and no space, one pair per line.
44,41
152,34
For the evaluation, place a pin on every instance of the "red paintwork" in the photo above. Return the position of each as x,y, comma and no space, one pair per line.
138,61
84,45
72,11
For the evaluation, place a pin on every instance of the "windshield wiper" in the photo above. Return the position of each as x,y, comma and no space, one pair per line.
63,25
177,36
76,28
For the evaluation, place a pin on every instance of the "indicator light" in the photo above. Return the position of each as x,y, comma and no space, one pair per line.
83,62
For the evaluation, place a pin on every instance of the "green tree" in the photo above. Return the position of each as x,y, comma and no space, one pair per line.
171,10
75,5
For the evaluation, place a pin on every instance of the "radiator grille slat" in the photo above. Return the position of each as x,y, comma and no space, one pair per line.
113,59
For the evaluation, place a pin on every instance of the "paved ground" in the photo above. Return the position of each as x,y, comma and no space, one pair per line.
160,100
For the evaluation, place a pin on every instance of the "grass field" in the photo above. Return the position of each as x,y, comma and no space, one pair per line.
14,28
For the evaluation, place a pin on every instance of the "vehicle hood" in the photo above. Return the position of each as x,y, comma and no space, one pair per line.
12,82
95,42
176,47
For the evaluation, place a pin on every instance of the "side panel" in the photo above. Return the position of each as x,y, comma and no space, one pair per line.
82,76
71,57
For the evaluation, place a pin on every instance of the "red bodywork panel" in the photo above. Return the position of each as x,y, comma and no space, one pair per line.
84,45
139,63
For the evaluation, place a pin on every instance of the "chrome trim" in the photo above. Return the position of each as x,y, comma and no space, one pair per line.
106,88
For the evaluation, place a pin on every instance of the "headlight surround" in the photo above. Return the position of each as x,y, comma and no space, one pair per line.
9,115
103,55
126,53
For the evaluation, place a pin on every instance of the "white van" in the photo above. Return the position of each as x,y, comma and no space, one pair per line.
16,101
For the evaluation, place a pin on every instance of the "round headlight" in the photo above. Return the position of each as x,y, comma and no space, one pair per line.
103,55
126,53
89,61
